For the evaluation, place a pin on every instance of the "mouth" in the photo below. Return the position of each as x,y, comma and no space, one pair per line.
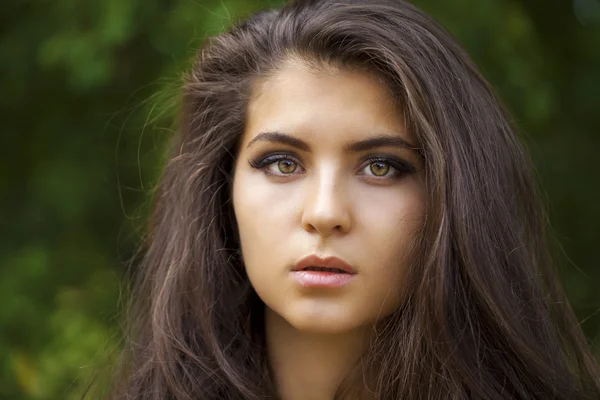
328,273
324,269
332,265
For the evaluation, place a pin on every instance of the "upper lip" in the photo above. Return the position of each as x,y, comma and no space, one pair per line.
327,262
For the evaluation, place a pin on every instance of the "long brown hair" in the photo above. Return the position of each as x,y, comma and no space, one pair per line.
484,316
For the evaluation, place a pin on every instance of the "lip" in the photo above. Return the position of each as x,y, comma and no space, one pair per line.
329,262
322,279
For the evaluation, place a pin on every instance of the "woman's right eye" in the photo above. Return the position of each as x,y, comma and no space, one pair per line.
284,166
279,164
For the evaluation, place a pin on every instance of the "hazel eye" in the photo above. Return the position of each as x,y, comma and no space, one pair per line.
385,168
379,168
277,165
286,166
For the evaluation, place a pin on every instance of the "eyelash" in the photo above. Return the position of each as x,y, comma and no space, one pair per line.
401,168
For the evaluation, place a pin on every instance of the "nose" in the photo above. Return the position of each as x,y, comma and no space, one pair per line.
327,209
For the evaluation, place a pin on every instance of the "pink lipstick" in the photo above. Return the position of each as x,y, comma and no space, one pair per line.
330,272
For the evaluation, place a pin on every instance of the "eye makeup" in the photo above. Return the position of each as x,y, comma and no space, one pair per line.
397,167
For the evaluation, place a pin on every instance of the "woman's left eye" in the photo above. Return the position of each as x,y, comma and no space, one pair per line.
385,168
379,168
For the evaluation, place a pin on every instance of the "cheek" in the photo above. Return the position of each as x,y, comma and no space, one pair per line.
263,215
387,256
389,225
388,219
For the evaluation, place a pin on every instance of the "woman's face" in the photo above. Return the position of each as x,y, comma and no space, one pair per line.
324,169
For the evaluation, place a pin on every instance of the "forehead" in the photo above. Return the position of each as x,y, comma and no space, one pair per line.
300,99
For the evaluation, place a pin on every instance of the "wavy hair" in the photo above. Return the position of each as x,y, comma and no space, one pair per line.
484,316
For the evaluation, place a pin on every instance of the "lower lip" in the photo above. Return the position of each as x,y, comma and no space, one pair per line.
321,279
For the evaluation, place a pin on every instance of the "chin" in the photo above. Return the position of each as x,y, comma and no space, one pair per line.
321,320
322,327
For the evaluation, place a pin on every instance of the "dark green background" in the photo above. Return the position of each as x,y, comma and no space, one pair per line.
89,89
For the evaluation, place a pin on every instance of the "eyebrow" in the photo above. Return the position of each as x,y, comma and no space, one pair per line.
381,140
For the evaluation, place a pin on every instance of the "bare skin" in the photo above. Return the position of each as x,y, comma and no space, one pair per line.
310,366
322,195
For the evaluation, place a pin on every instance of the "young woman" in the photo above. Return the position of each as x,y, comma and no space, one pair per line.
348,214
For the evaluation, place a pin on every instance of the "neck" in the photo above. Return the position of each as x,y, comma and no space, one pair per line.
310,366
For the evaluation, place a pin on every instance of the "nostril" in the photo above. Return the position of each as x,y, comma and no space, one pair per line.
326,221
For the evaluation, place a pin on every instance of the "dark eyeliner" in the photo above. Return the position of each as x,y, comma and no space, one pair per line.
401,166
265,160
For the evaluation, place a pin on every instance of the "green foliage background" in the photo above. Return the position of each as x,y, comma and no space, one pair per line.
88,95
